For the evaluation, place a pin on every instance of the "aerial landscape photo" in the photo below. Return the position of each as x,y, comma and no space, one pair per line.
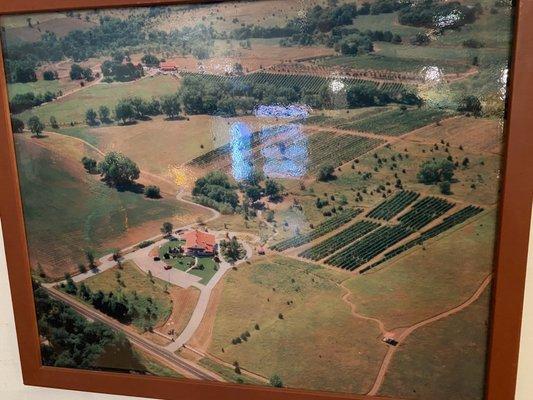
294,194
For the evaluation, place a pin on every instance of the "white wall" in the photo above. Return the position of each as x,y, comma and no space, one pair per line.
11,387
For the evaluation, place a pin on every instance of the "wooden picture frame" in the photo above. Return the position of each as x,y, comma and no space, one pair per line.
511,255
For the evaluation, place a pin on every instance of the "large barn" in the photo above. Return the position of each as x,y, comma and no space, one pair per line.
198,243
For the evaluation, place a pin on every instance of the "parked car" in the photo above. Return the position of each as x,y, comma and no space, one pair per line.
157,258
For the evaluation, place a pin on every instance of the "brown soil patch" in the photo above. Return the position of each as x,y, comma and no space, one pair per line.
202,339
474,134
184,301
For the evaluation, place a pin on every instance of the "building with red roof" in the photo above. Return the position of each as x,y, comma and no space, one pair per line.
198,243
168,66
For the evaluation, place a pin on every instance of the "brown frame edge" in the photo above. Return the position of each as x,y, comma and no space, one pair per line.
511,255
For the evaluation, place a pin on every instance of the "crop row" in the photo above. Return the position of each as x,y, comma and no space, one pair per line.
449,222
325,147
331,245
310,83
394,205
362,251
368,247
257,138
308,152
320,230
425,211
397,122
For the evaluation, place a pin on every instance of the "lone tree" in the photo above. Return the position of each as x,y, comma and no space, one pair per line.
167,228
325,173
90,117
170,105
445,187
124,111
103,113
232,249
273,190
53,122
276,381
76,72
118,170
89,255
436,171
36,126
17,125
152,191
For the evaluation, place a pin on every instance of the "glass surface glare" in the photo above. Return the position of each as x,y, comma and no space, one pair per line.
298,194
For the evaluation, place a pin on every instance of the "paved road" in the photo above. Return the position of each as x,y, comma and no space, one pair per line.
185,367
203,301
405,333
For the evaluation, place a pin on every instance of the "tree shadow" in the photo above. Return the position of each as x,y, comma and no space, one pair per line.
132,187
178,118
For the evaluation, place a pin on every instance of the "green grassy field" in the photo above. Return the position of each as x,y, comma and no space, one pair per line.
72,108
449,354
68,211
385,22
228,373
383,61
302,327
136,286
39,87
423,283
206,268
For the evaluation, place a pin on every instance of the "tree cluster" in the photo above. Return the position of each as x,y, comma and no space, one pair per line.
118,170
25,101
216,191
77,73
433,172
121,72
74,342
437,14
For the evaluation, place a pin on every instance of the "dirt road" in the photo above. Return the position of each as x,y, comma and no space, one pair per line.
405,333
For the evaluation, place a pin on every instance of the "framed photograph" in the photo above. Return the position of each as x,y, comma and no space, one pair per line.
320,199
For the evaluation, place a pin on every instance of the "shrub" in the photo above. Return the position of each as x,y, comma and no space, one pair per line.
152,191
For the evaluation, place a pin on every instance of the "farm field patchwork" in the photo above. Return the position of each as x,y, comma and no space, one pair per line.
310,83
420,214
425,282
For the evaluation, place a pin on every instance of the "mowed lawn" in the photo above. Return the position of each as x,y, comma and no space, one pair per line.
68,211
72,108
424,283
449,354
305,332
40,87
137,287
